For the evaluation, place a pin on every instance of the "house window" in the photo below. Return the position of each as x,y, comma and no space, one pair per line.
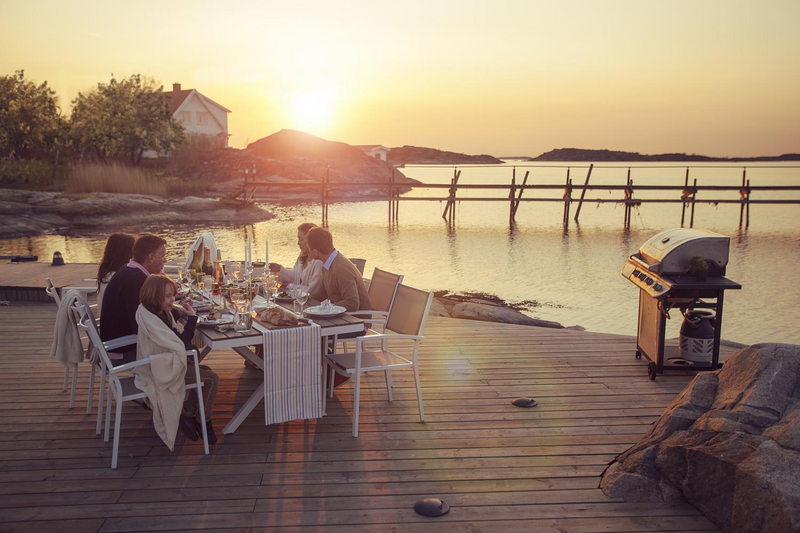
202,119
185,117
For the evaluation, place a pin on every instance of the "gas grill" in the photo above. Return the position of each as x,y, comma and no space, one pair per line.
670,275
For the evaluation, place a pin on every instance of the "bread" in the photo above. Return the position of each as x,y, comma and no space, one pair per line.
277,316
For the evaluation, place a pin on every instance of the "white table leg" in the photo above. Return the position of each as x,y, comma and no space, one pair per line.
251,403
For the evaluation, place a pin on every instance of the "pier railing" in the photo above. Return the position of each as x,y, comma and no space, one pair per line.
686,194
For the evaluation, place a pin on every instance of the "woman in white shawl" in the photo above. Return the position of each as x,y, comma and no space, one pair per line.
158,333
306,271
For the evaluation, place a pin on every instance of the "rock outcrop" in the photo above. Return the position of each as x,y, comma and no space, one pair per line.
32,213
485,311
416,155
729,444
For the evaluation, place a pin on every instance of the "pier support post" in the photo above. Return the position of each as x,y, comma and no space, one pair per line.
742,195
512,195
583,192
684,195
694,199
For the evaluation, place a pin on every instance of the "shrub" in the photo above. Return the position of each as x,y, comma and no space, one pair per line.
31,173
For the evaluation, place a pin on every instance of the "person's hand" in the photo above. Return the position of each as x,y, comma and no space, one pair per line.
186,309
275,267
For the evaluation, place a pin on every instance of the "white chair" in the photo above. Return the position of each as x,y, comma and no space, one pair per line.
382,289
51,291
122,387
406,321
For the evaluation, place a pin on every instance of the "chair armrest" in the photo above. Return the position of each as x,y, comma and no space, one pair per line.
369,312
129,366
120,342
387,336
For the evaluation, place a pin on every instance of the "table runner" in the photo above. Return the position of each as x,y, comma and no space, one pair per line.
292,374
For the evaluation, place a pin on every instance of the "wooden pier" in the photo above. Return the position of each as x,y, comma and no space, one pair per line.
501,468
686,194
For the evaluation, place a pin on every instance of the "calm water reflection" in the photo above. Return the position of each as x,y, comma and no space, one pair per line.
573,274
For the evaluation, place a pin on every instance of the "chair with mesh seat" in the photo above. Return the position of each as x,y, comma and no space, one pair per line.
405,322
121,386
382,289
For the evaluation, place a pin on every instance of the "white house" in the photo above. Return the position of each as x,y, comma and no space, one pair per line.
197,114
374,150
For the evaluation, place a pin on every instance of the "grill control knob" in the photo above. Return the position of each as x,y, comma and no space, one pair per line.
649,281
636,273
658,286
642,276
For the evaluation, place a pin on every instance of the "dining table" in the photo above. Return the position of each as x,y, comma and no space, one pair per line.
243,342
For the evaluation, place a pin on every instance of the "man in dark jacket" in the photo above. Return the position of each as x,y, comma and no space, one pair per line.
121,298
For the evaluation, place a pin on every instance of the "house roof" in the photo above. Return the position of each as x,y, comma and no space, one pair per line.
370,146
177,98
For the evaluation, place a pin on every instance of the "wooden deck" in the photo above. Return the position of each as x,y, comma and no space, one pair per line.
501,468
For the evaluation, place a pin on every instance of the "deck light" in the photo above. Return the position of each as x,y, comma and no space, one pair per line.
432,507
524,402
58,260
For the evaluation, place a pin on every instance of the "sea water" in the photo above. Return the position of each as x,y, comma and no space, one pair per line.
572,274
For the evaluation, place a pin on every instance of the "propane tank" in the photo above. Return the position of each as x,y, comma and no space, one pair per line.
697,335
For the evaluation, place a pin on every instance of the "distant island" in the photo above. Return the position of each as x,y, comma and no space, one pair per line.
416,155
580,154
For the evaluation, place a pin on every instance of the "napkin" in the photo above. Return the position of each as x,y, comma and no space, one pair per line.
325,307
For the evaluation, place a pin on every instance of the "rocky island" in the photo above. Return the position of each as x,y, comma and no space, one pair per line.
24,213
580,154
415,155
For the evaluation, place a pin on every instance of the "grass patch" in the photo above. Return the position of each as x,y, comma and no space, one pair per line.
115,178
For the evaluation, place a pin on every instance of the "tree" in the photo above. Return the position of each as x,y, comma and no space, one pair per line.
29,115
124,118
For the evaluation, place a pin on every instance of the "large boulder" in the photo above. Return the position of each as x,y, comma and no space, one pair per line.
494,313
729,444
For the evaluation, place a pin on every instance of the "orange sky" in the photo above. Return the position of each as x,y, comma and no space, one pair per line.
508,78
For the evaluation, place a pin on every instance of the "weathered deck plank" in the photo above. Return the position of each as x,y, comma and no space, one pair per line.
500,468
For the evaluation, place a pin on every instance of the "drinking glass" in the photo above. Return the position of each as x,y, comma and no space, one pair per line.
242,318
236,268
301,295
208,283
192,275
275,289
180,274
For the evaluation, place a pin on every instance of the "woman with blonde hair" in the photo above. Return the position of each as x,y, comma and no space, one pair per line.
156,318
307,270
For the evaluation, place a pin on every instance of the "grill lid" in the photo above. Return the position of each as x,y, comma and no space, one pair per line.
671,251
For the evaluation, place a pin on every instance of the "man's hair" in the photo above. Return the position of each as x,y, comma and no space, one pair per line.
146,245
305,226
320,239
153,291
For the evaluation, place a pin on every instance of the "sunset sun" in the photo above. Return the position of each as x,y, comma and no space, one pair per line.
312,112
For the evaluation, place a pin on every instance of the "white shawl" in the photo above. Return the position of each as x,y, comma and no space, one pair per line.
67,347
163,380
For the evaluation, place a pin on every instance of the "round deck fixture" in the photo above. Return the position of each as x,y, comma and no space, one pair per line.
432,507
524,402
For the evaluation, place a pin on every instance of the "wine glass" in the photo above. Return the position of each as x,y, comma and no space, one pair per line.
192,275
201,285
301,295
236,267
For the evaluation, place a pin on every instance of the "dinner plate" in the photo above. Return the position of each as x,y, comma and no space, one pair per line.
336,310
205,321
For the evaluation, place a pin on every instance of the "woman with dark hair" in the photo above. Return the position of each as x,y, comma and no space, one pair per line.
118,252
307,270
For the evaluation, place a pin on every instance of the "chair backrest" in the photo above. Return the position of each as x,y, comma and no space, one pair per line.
382,289
87,323
51,291
409,310
359,263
